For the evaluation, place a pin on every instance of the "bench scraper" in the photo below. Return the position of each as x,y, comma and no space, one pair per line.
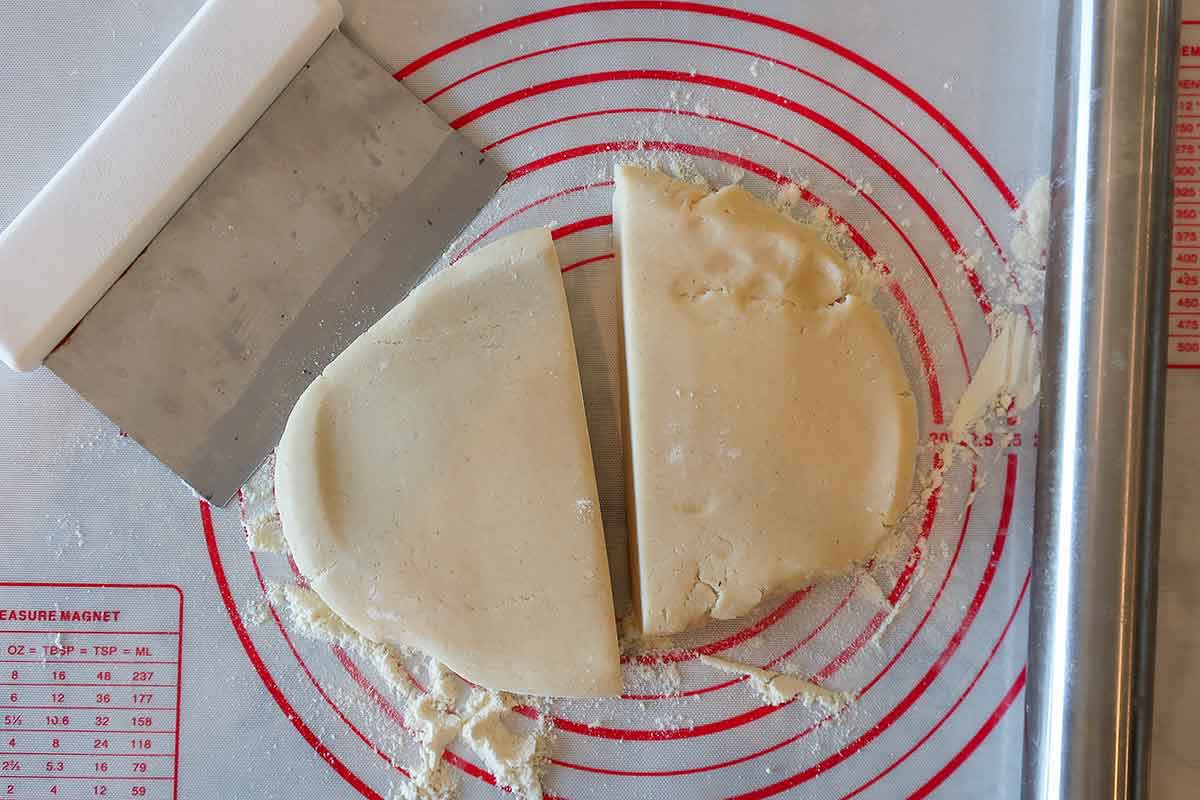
324,215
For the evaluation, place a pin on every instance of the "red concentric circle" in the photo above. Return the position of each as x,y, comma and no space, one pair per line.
935,680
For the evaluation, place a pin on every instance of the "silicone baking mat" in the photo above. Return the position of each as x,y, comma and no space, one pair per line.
920,128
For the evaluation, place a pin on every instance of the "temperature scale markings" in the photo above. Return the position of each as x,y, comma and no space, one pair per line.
1183,321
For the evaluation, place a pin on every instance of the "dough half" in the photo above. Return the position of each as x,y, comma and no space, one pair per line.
436,485
770,425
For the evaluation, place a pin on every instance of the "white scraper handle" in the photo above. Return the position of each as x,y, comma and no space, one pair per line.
95,216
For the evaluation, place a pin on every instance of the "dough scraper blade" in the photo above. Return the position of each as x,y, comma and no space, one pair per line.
325,215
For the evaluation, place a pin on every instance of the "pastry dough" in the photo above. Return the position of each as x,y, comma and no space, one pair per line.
770,425
436,484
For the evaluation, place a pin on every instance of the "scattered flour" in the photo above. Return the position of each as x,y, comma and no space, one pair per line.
1030,242
259,490
256,611
789,196
265,534
309,616
777,688
877,636
443,684
1006,381
867,275
969,263
435,726
260,515
511,757
429,783
654,676
646,672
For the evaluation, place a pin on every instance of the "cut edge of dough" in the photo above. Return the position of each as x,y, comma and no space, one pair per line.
633,560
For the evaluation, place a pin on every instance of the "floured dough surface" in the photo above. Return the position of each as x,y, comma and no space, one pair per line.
771,428
435,483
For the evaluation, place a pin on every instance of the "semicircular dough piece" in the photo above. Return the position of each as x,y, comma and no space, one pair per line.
771,428
436,485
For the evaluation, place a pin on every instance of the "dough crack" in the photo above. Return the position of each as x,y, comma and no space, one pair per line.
716,587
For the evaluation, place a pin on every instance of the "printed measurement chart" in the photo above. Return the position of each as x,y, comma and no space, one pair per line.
1183,341
89,691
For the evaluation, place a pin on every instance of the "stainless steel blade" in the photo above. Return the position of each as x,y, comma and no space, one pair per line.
326,214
